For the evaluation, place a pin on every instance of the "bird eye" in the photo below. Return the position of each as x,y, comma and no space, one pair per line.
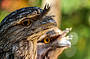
46,40
26,22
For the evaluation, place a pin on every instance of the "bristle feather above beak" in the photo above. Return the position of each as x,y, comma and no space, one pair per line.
46,9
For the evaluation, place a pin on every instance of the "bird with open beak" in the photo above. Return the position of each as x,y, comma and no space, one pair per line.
29,33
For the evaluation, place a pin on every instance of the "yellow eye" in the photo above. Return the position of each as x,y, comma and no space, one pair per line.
26,22
46,40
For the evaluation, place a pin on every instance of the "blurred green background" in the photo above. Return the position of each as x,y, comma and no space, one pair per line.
75,14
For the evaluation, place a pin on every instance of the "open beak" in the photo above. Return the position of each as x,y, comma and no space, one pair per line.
63,40
60,42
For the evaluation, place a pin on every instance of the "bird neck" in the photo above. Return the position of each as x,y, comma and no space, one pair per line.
26,50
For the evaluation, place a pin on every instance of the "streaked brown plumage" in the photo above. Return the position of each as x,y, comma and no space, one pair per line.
29,33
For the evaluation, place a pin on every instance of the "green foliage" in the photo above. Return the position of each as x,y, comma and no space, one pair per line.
76,14
3,14
69,6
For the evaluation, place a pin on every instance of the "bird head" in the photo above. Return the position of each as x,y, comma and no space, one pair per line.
31,29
